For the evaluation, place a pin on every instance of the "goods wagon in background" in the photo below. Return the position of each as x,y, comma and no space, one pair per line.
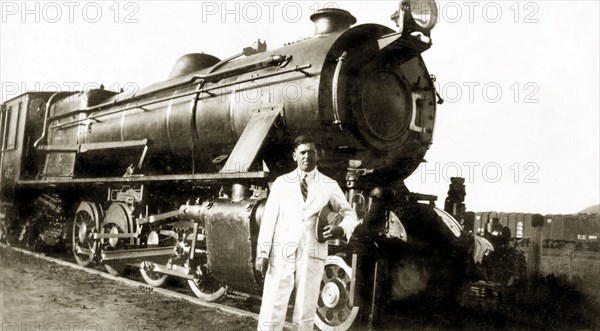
580,231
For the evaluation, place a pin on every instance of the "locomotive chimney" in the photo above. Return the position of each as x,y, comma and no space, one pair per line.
329,20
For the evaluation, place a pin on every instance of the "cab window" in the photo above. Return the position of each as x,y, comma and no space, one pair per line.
2,126
11,124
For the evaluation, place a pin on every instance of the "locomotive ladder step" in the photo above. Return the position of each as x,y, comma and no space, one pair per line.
125,254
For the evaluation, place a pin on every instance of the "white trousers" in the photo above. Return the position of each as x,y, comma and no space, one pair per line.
284,274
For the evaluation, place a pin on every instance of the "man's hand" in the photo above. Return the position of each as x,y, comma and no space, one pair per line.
262,264
333,232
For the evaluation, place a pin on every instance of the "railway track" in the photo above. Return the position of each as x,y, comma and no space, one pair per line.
228,306
242,306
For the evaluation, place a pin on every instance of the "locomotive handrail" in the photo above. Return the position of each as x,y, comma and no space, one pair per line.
413,117
273,60
150,178
86,147
299,68
48,104
334,85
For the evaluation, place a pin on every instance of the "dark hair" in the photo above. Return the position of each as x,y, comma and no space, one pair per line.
303,140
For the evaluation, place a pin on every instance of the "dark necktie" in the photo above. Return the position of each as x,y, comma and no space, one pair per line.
304,187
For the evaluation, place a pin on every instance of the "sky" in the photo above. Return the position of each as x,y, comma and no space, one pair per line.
520,79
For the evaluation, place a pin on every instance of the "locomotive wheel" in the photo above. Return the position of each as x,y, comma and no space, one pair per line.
333,308
117,220
115,267
86,222
207,288
152,278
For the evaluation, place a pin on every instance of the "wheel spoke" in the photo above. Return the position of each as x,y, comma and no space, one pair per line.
333,307
84,225
207,287
152,278
117,220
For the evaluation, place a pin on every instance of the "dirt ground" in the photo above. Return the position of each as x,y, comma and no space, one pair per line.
39,295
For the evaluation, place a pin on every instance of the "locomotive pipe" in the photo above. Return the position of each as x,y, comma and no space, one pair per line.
256,48
45,130
221,63
297,68
238,192
273,60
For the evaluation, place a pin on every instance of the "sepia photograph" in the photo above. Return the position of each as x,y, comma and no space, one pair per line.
299,165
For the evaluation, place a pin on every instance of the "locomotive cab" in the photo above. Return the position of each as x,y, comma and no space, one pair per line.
21,120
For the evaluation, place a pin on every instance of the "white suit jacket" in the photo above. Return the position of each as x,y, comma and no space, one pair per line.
288,222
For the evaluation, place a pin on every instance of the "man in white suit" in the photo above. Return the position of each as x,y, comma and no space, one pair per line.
288,252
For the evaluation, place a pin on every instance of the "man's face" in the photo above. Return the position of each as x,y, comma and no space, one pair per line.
305,156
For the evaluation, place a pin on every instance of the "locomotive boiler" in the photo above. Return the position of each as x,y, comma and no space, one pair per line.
173,180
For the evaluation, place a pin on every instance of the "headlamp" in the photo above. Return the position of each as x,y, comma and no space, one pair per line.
416,15
423,14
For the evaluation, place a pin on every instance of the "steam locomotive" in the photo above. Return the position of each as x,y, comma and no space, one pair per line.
173,180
